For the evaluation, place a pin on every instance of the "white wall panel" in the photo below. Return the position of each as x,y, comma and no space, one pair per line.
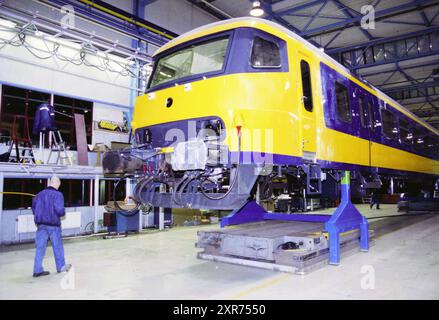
19,67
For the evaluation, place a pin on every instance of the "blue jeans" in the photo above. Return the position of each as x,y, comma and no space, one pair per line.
43,234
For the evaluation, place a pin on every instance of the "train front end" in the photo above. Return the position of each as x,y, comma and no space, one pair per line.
206,89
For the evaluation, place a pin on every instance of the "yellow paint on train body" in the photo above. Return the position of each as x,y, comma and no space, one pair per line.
269,104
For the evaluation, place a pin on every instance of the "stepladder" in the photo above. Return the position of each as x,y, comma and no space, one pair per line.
20,149
57,148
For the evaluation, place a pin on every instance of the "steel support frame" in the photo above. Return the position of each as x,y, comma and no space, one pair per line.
2,180
140,33
355,19
345,218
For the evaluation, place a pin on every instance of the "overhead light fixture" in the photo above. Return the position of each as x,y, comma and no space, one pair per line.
257,10
7,24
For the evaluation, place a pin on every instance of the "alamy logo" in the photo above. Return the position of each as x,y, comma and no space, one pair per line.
68,17
367,281
368,19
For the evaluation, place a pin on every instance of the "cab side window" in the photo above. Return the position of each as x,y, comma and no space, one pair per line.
306,85
342,103
265,54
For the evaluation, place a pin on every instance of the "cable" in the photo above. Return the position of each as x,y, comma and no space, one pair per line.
174,194
19,193
125,69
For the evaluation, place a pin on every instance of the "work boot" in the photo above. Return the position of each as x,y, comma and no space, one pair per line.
44,273
66,268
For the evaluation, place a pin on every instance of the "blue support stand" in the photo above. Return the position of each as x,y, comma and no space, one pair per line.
345,218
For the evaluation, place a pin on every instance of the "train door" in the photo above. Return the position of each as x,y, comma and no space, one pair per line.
366,119
307,104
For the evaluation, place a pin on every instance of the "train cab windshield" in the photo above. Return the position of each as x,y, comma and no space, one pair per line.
197,59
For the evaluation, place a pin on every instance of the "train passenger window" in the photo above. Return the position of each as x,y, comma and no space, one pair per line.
265,54
418,139
431,146
306,85
371,116
342,102
363,112
389,128
405,133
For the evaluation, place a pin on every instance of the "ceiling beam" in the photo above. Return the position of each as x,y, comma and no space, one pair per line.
379,15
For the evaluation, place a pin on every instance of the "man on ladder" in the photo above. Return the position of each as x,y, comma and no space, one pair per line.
45,122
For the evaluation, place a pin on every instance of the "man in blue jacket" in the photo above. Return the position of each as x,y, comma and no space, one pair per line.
44,118
48,208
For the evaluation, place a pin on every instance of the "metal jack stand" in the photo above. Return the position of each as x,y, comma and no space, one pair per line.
345,218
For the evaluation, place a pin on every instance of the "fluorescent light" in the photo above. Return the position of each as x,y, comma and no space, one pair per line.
257,11
7,24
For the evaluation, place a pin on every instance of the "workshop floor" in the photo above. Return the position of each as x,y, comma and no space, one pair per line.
163,265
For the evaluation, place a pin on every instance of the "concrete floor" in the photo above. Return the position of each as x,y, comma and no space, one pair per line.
163,265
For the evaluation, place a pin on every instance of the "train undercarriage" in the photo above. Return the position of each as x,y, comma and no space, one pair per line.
228,186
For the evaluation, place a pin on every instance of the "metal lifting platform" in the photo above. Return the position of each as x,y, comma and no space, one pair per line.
295,243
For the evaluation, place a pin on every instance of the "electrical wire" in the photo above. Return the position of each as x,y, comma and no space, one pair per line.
104,62
18,193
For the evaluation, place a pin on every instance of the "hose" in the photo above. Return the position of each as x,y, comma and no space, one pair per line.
19,193
140,186
174,194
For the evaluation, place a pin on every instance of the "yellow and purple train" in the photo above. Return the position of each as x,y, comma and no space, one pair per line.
246,108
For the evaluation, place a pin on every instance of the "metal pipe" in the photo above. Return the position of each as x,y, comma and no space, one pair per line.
96,204
162,210
2,179
125,18
104,21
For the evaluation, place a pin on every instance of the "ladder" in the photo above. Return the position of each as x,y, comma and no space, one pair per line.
58,146
21,145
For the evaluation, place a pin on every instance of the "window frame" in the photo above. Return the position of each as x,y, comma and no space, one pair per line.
362,108
267,40
348,121
213,37
406,128
372,119
309,80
